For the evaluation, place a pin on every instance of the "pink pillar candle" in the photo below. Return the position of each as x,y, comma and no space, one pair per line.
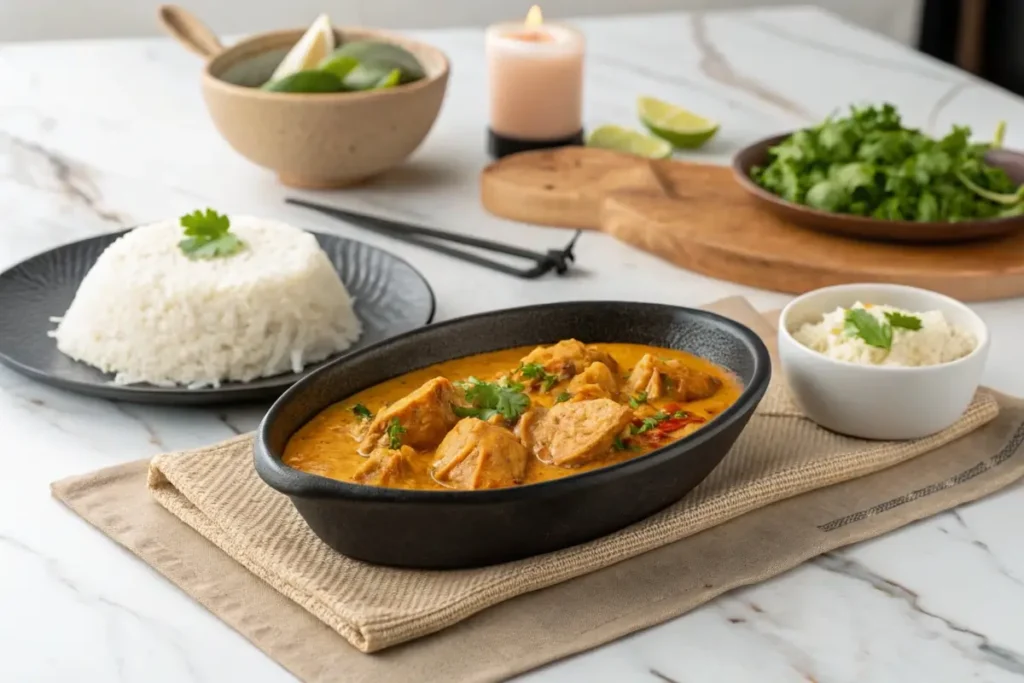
536,80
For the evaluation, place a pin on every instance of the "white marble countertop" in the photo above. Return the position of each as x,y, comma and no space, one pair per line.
99,135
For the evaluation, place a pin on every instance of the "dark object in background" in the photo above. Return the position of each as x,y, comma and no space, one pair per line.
979,36
428,238
499,146
938,32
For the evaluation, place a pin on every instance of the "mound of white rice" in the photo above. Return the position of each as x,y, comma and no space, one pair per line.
148,313
938,340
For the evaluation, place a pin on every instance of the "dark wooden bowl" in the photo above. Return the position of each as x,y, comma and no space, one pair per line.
451,529
874,228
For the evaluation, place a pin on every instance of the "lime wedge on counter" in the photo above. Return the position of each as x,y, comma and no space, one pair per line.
621,139
314,45
340,65
306,81
682,128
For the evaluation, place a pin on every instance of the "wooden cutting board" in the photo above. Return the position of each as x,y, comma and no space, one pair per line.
697,217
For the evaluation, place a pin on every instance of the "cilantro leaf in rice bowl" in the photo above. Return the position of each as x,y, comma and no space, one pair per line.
207,299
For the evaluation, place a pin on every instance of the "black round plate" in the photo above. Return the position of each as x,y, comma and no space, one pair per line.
391,297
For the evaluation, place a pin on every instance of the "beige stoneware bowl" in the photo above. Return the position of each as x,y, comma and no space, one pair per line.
314,141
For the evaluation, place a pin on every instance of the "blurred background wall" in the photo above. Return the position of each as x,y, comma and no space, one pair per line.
981,36
64,19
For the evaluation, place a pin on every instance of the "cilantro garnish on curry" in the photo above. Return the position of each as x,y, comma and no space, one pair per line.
514,417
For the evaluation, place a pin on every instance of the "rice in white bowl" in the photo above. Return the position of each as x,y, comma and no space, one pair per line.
937,341
147,313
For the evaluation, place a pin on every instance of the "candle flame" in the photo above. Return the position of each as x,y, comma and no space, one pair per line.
534,16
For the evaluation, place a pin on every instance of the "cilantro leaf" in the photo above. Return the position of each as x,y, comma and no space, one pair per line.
562,397
649,423
860,323
362,412
207,235
532,371
537,373
394,432
493,398
621,444
636,401
512,404
906,322
479,413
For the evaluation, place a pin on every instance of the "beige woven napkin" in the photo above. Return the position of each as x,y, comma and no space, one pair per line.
624,582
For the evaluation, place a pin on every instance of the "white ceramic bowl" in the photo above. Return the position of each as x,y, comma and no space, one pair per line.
879,402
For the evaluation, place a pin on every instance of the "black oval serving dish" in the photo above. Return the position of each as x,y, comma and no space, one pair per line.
458,529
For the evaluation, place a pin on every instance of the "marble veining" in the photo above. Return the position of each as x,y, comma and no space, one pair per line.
715,66
100,135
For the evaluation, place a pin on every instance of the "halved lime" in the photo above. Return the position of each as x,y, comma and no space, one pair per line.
630,141
682,128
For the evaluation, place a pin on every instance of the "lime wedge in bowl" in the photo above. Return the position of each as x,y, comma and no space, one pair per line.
314,45
621,139
682,128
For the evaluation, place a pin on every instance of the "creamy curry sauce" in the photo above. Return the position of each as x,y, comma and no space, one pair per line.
329,445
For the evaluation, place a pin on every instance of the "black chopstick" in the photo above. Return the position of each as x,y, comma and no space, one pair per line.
555,259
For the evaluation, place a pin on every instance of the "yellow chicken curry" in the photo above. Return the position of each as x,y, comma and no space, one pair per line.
514,417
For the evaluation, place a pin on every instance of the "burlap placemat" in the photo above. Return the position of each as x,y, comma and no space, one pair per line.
624,582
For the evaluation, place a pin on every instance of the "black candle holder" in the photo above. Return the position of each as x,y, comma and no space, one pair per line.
499,146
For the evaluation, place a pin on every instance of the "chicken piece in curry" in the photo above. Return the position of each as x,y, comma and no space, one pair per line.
514,417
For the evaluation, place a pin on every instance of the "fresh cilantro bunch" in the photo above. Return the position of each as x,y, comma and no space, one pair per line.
868,164
488,399
207,235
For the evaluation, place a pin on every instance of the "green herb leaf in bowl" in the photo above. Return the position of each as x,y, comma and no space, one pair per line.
390,80
364,77
380,58
339,65
869,164
313,81
903,321
860,323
